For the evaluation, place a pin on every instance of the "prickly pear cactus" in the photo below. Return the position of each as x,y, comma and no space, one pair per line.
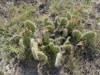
58,59
67,47
69,17
29,24
56,39
88,36
63,22
34,48
42,57
49,28
76,35
26,39
54,49
65,33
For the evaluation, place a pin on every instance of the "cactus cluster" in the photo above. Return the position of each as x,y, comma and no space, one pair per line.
56,40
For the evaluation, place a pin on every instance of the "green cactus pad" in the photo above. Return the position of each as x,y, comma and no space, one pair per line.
65,33
30,25
33,43
63,22
48,23
58,59
76,35
67,47
26,42
67,41
42,56
28,34
88,36
50,28
43,47
58,41
26,39
34,53
45,35
69,16
46,38
34,48
70,27
56,49
53,48
49,40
